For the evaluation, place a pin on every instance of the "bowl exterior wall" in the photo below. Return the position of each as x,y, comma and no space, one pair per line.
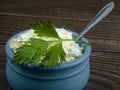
73,75
76,81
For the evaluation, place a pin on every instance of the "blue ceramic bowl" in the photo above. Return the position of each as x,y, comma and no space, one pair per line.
72,75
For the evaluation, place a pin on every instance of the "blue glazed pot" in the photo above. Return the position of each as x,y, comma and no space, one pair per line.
72,75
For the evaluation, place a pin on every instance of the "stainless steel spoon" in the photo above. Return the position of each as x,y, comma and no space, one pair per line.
99,16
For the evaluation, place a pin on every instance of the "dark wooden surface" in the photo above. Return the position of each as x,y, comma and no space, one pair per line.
16,15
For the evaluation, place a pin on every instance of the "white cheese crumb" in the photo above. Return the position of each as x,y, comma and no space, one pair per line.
72,50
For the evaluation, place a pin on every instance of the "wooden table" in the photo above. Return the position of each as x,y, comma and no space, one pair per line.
16,15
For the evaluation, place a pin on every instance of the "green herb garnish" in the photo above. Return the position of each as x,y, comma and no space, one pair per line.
38,51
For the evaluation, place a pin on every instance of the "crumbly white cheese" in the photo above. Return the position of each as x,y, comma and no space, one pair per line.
72,49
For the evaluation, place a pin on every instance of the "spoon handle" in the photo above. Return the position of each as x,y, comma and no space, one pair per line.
99,16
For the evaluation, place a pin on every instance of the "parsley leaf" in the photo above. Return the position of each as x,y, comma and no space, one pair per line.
32,53
45,29
38,51
55,56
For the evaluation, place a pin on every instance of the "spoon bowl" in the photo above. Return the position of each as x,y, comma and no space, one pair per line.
99,16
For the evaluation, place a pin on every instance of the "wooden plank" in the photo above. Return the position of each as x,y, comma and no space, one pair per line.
106,30
55,3
94,86
2,80
76,4
105,82
61,13
85,9
105,45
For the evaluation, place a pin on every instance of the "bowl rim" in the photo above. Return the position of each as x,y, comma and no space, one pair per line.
69,64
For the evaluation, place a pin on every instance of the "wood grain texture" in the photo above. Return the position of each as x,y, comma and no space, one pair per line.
16,15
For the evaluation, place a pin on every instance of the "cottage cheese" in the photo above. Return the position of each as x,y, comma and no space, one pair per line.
72,50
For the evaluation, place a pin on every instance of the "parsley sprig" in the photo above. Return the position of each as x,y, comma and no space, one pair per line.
38,51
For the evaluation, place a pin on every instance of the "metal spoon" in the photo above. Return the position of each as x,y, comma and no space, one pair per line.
99,16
